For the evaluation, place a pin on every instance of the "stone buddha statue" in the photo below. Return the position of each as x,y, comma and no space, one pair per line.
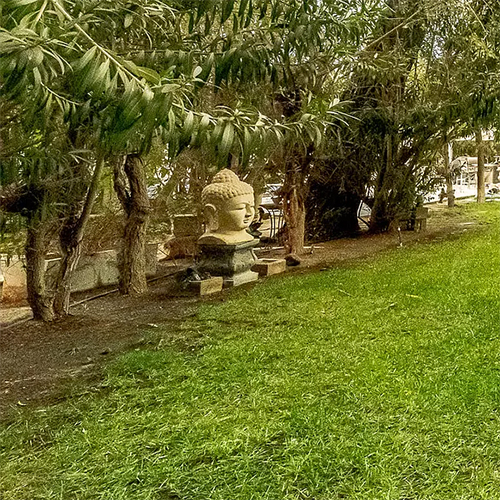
228,207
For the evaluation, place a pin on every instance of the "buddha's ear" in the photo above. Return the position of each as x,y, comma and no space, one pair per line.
210,214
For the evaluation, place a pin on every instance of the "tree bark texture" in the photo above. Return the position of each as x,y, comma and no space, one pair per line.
71,249
448,177
37,242
131,188
70,240
481,188
380,218
294,192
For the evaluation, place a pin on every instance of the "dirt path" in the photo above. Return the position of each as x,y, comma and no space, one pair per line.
39,363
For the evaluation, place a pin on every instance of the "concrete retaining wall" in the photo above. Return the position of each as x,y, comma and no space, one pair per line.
93,271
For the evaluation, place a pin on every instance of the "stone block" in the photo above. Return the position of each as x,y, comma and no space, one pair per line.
267,267
208,286
240,279
14,280
14,273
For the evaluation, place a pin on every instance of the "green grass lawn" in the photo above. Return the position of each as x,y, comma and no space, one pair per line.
378,380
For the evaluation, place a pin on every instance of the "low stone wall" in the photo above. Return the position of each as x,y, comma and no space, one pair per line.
93,271
14,275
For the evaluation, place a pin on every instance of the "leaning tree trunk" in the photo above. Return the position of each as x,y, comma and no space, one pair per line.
71,248
37,242
131,188
70,239
481,188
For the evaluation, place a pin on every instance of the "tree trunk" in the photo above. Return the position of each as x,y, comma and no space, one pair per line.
380,219
294,194
448,177
71,249
70,239
481,188
131,188
36,250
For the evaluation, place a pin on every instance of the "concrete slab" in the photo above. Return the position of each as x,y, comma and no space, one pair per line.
267,267
208,286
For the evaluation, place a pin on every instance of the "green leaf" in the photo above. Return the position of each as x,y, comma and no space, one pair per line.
170,87
150,75
227,9
248,20
85,81
263,10
129,18
247,141
20,3
217,131
129,115
147,95
319,136
131,66
171,122
243,6
207,67
101,73
227,139
204,122
191,22
311,133
189,124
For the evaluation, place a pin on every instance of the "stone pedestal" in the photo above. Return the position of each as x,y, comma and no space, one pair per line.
232,262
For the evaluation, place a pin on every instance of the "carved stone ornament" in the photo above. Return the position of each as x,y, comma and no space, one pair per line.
226,248
228,207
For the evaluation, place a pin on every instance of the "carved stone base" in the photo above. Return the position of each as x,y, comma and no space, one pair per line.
241,279
232,262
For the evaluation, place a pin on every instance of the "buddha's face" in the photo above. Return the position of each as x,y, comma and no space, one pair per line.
237,213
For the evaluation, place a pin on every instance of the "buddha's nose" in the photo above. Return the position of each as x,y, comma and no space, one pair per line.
249,209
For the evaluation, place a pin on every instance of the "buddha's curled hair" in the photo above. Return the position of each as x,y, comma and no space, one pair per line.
224,186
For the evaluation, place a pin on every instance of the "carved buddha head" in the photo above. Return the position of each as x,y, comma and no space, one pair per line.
228,205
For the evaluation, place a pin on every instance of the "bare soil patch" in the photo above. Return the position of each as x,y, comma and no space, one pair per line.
42,363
